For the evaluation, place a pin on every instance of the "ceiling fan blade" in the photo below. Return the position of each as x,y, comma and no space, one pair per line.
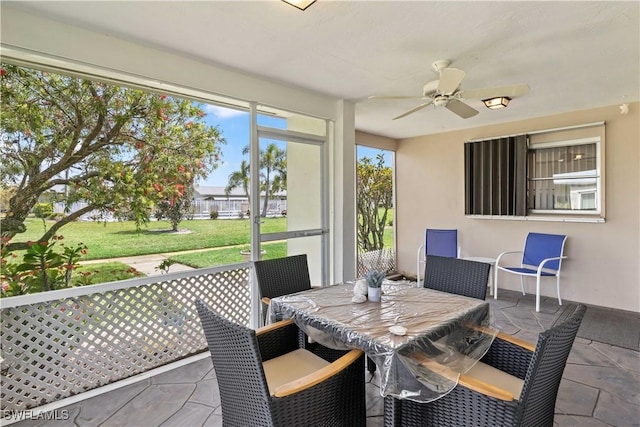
450,79
396,97
461,109
413,110
486,93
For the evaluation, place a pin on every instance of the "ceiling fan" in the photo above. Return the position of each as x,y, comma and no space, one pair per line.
445,92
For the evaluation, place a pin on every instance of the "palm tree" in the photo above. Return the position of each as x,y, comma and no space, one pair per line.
273,174
273,160
239,178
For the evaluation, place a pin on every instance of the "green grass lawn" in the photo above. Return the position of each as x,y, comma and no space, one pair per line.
118,239
223,256
104,272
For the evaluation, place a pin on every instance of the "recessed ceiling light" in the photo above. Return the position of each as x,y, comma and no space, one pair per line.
300,4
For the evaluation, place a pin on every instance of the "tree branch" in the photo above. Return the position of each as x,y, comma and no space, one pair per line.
77,178
14,246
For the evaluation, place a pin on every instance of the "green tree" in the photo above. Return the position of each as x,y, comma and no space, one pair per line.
116,149
43,210
374,189
273,174
175,209
239,179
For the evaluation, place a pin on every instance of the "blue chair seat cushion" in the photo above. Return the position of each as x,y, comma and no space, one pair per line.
528,271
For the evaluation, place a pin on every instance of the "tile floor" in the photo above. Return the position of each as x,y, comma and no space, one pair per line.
600,386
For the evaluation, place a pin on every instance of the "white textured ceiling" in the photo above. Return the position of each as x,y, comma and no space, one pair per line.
574,55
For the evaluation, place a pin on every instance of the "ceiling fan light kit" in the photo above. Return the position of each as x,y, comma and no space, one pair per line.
497,102
300,4
446,92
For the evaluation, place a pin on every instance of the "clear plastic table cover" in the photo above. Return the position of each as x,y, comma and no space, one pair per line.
445,336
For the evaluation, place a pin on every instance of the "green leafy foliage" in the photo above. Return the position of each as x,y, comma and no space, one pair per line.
43,210
374,189
116,149
374,278
273,175
44,267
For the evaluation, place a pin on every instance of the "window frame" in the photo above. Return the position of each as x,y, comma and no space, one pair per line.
598,176
594,132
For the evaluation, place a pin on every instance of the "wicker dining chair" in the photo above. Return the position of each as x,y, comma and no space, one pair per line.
456,276
514,384
281,276
284,276
265,379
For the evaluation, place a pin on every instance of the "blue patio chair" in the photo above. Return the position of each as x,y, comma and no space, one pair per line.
437,242
542,257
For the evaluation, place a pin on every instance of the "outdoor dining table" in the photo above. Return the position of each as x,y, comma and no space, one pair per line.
444,334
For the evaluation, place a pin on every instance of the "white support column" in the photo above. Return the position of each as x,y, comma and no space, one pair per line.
343,211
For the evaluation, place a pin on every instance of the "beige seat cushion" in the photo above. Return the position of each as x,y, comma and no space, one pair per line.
291,366
490,375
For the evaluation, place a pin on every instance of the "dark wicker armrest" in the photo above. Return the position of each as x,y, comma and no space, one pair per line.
277,339
319,376
510,355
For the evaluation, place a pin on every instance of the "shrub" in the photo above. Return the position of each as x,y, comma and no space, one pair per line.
43,210
44,267
213,214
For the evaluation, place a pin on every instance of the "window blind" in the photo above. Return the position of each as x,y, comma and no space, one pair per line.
496,176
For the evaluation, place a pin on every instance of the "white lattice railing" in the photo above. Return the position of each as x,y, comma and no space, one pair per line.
61,343
381,260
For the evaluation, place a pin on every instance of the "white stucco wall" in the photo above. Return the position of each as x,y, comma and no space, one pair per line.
603,267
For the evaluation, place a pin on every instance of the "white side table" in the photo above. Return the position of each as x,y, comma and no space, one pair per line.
491,261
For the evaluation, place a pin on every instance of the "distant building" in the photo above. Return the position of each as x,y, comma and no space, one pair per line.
208,198
210,192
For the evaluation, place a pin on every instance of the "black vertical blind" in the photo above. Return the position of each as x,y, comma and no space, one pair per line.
496,176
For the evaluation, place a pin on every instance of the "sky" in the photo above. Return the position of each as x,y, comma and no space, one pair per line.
234,125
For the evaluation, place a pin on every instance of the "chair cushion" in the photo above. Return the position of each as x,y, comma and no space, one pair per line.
291,366
490,375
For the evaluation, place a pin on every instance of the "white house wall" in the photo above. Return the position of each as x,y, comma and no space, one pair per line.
603,267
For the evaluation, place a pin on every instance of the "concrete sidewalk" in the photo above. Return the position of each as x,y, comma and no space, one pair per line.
147,264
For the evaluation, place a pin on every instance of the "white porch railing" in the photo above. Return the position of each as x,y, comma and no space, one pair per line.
381,260
61,343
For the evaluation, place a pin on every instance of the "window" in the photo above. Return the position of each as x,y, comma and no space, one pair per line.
563,177
557,172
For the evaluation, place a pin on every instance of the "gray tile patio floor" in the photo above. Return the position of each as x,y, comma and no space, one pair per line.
600,386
